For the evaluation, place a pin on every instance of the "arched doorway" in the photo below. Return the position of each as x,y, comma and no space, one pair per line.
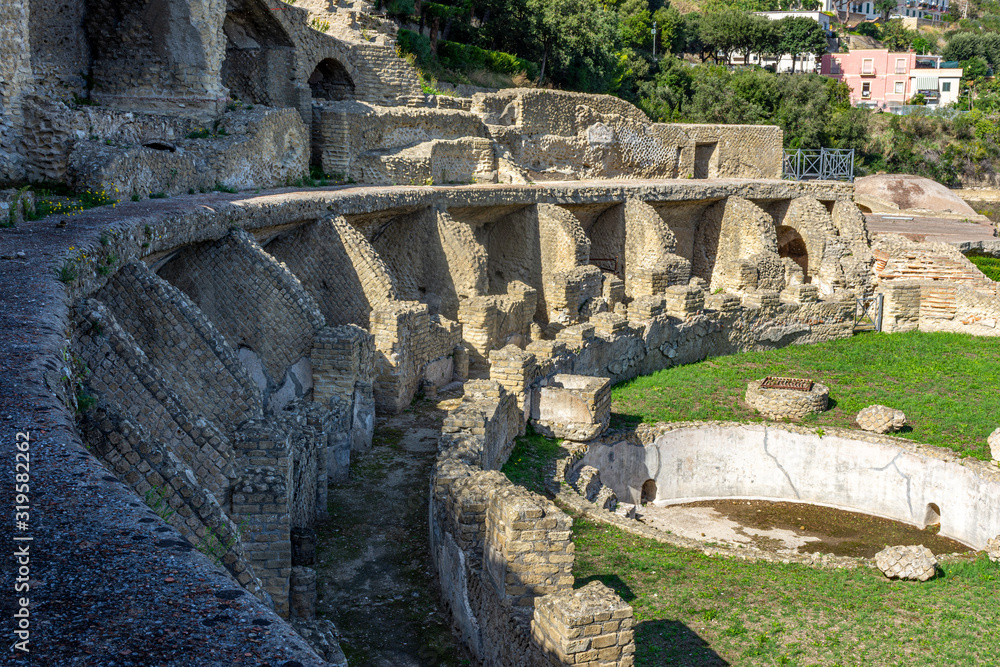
648,492
792,245
260,56
331,81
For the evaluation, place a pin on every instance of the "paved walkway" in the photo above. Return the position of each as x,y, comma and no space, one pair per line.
929,229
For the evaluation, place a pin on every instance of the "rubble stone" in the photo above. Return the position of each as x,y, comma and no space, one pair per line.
880,419
915,563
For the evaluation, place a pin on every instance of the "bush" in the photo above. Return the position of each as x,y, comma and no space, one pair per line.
465,57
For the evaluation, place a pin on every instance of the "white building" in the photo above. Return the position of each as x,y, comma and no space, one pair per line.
930,10
805,62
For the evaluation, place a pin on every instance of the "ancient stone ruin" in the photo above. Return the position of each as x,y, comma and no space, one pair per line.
224,356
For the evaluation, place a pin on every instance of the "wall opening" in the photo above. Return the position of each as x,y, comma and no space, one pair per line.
648,492
792,245
260,56
705,163
330,81
932,516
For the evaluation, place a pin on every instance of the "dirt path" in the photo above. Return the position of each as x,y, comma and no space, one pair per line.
375,577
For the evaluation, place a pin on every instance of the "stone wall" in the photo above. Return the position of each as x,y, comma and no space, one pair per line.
504,554
933,287
15,84
499,549
177,338
160,56
339,269
234,274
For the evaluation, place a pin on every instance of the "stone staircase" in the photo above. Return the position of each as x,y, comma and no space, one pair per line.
395,79
923,265
353,21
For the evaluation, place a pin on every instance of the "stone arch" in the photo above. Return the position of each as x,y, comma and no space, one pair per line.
330,80
152,55
793,246
260,56
648,492
932,515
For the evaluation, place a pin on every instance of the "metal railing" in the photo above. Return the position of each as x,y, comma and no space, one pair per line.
824,164
868,313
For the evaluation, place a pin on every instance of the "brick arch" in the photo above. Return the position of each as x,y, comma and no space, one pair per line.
150,55
260,53
330,80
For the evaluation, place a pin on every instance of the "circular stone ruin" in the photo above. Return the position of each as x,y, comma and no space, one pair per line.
787,398
919,485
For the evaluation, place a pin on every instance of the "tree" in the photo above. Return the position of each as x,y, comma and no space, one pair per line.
963,46
723,31
578,40
668,22
636,22
896,36
799,35
885,7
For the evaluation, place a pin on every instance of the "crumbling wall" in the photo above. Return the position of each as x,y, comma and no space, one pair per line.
59,50
169,486
15,72
259,307
261,148
736,248
505,555
339,269
933,287
433,258
726,151
157,55
122,375
374,144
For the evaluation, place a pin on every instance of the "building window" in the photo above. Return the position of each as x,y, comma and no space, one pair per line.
900,85
866,90
946,87
900,65
867,66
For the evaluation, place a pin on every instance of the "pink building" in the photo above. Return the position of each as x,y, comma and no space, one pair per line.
878,78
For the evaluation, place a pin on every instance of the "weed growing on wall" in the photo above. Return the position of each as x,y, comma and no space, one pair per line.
216,546
156,499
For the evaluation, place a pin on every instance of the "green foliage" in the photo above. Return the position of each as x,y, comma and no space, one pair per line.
578,41
532,458
156,499
964,46
926,375
988,265
868,29
215,544
464,57
66,272
695,609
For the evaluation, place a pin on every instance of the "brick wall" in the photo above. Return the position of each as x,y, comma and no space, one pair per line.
253,300
338,268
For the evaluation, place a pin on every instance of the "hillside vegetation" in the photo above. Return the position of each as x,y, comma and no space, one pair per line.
682,75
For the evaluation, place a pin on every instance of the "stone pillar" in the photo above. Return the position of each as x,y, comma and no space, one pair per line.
587,626
900,306
302,600
528,549
261,500
515,370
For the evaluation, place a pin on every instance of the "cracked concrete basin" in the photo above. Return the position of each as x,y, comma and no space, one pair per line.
907,482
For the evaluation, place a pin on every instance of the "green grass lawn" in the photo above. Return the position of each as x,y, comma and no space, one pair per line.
947,384
988,265
691,609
